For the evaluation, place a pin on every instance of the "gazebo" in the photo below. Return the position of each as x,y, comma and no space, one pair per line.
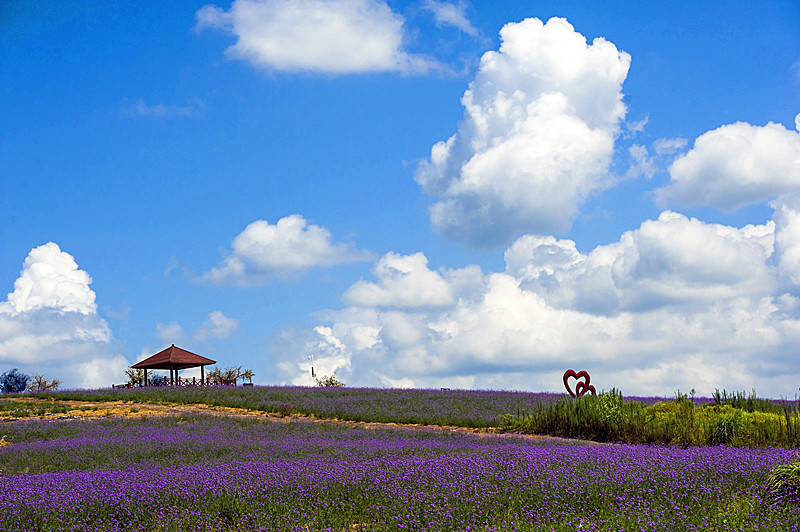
174,358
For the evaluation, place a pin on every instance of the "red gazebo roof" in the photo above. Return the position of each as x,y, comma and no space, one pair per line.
173,358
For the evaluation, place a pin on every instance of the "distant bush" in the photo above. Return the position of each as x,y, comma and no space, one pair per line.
12,381
135,376
329,382
228,376
40,384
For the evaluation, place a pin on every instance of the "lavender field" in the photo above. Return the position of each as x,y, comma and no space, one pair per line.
203,472
466,408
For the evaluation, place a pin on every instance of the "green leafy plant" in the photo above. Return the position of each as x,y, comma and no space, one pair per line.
783,484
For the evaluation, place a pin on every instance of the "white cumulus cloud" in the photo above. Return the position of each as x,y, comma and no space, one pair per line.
49,323
330,357
670,261
676,302
50,278
540,121
406,281
328,36
735,165
264,251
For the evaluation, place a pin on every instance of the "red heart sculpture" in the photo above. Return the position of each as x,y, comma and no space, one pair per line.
582,386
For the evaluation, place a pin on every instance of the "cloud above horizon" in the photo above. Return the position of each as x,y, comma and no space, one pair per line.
324,36
49,323
405,281
675,302
540,121
735,165
264,252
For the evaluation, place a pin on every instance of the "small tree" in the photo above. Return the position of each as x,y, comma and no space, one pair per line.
331,381
41,384
12,381
135,376
228,376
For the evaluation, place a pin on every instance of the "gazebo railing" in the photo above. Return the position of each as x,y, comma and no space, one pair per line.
180,381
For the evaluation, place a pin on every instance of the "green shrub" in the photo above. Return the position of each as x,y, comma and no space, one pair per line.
725,428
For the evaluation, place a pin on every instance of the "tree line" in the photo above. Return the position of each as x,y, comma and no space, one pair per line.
14,381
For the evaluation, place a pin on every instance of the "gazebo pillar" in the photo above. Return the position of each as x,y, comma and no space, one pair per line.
145,376
202,375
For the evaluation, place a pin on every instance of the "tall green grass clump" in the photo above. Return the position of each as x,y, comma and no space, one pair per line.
748,403
783,484
605,417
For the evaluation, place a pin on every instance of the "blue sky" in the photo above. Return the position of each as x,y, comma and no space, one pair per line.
261,181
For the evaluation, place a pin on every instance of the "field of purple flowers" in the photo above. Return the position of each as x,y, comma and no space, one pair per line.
466,408
198,472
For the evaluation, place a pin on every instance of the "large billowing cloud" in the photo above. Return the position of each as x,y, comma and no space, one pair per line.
49,323
328,36
406,281
736,165
671,261
674,303
263,252
540,120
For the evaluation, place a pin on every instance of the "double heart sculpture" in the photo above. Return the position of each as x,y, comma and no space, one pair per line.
582,386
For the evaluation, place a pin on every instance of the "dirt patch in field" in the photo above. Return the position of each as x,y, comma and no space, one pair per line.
66,410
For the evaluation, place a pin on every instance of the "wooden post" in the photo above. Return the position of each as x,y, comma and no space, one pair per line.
145,376
202,375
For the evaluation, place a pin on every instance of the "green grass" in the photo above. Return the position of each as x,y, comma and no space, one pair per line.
608,417
22,409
